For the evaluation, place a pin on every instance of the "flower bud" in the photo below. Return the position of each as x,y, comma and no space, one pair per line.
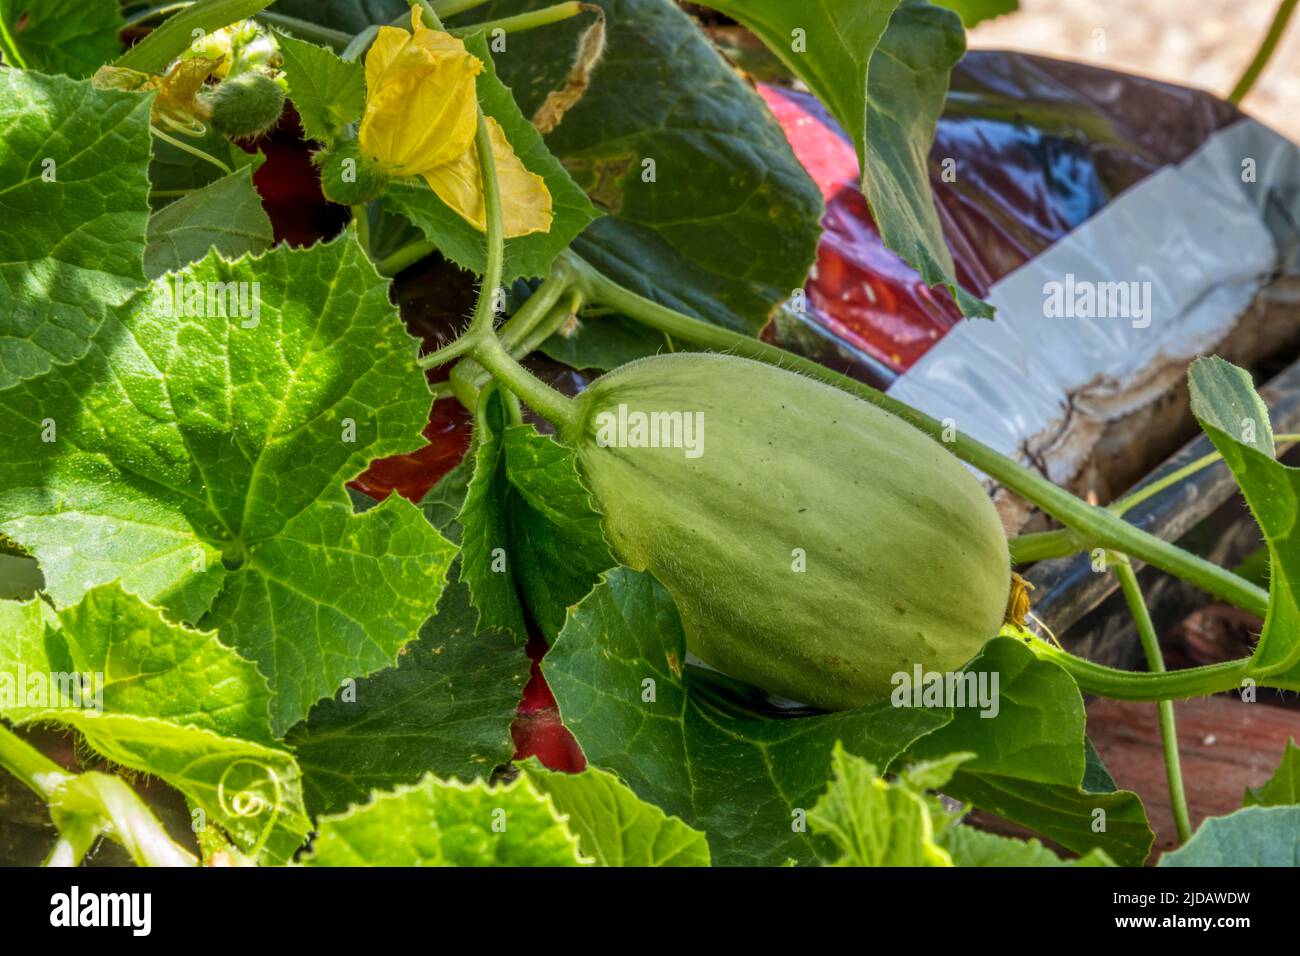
246,105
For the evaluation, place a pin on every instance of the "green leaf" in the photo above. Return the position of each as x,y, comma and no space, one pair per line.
1031,758
485,531
1224,397
1252,836
977,11
614,826
74,37
327,92
971,847
226,216
1283,788
529,529
445,709
881,67
447,823
443,502
874,823
168,701
202,459
457,239
747,780
1236,420
729,224
556,541
75,206
176,172
605,343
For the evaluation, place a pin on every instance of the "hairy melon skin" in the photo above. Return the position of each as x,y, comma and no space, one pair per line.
906,559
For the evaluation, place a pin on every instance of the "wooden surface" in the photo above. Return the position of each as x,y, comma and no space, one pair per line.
1225,746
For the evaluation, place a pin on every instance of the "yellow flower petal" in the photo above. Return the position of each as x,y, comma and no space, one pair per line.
180,87
525,200
420,100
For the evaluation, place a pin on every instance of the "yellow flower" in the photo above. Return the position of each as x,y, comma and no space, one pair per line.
420,119
177,89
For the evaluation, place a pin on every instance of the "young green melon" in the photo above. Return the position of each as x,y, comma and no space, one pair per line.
816,545
246,105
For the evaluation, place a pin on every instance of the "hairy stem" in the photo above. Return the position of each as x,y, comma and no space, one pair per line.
1044,545
36,771
405,256
482,324
84,806
486,349
524,21
361,223
1119,684
1137,606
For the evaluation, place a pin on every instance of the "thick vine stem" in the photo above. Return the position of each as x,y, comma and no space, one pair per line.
85,806
524,21
1045,545
483,345
1093,523
1119,684
1137,606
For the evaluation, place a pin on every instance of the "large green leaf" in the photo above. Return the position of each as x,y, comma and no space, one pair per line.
618,673
615,827
445,709
327,92
1283,788
171,702
1031,758
881,67
447,823
74,37
202,459
729,224
529,529
226,215
1236,420
485,564
1253,836
558,546
457,239
74,200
